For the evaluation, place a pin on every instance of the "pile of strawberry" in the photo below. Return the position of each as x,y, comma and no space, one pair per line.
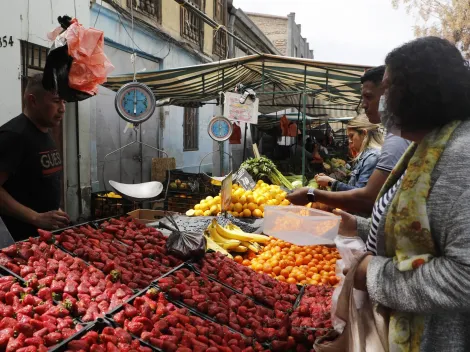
30,323
109,340
265,289
226,306
313,318
158,322
84,290
137,262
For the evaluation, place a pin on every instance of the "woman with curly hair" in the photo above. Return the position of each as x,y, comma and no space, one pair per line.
419,233
366,140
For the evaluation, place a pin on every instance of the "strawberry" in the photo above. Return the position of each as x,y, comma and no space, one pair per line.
34,341
78,345
5,335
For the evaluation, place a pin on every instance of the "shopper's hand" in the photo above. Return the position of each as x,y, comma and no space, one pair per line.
298,197
51,220
324,180
348,224
360,279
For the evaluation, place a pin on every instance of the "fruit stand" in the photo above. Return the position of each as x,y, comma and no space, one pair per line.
112,285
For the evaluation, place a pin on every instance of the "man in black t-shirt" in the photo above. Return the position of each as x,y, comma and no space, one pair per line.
31,166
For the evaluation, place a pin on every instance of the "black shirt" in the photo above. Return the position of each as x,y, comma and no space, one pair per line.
34,168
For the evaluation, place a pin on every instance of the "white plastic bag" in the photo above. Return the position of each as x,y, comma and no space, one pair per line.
351,250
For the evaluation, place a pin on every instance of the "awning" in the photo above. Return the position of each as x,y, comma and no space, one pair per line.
333,89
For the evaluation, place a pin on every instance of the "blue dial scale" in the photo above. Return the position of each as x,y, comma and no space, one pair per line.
135,102
220,129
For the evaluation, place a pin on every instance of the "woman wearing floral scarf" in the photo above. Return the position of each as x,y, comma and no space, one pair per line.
419,233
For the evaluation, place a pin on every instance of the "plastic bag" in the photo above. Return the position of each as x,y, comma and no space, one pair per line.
185,245
76,63
90,66
351,250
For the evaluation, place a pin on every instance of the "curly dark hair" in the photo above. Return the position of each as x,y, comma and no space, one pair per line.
428,84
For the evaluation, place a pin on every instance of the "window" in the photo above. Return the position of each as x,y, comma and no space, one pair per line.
191,129
219,46
192,27
151,8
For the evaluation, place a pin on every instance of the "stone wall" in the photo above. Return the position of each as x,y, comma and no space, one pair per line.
275,28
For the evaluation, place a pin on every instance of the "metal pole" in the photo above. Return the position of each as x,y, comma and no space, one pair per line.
244,141
303,132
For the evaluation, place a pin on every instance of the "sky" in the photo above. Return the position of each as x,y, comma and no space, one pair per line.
344,31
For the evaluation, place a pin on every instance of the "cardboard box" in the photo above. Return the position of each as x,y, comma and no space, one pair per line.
147,216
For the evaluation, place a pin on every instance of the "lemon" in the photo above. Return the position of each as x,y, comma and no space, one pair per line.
237,208
213,209
261,200
242,199
235,214
204,207
197,207
247,213
285,202
207,213
250,198
198,213
217,199
252,206
209,198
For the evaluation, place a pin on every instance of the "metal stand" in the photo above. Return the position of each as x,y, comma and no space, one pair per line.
217,180
140,192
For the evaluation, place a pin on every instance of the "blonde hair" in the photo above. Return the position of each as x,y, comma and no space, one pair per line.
374,137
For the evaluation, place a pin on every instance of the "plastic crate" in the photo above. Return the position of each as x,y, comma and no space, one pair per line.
181,203
104,207
188,183
300,225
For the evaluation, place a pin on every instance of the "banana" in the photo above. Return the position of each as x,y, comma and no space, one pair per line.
240,249
231,232
225,243
252,246
215,247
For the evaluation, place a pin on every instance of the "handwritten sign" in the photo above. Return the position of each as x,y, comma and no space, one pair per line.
236,111
226,193
244,179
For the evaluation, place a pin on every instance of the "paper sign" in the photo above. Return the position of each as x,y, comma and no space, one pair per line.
244,179
226,193
236,111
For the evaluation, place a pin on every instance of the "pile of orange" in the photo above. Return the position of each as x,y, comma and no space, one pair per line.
312,265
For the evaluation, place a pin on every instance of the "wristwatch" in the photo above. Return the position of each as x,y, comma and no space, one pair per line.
330,183
311,195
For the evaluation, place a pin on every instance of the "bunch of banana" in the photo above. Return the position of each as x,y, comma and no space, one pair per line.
211,244
232,238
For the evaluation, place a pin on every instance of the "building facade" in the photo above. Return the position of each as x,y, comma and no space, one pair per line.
284,33
163,35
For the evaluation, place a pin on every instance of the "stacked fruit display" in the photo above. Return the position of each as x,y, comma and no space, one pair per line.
158,322
245,204
30,322
313,265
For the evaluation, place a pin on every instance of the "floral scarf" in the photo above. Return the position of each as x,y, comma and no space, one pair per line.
408,236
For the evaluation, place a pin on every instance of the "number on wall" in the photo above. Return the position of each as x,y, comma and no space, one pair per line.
5,41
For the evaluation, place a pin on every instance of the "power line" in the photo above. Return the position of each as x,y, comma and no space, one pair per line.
99,12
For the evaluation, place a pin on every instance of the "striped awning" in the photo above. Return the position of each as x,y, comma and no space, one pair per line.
334,90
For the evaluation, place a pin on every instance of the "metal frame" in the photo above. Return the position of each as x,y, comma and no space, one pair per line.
136,141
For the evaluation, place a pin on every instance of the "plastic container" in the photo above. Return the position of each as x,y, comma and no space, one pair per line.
300,225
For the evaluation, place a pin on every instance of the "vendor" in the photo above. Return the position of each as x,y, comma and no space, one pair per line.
365,140
31,166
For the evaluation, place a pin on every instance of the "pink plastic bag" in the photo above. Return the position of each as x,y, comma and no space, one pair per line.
90,66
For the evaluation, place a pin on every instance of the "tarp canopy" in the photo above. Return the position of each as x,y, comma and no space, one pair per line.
333,89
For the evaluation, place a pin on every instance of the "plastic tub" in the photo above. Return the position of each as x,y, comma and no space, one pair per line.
300,225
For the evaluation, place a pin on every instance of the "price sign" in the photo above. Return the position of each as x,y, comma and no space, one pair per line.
244,179
226,193
236,111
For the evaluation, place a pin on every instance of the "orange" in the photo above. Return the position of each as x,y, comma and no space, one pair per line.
247,213
284,273
267,268
301,277
333,280
246,262
238,259
277,270
283,264
281,278
291,280
299,262
257,213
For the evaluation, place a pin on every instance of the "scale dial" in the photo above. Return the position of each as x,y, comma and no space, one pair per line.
220,129
135,102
